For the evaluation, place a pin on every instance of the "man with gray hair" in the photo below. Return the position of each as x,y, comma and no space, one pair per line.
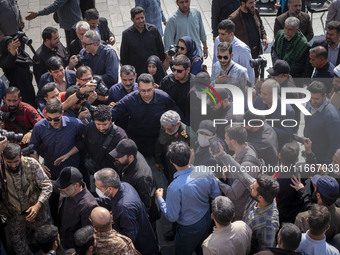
81,28
265,101
234,237
101,58
128,211
292,46
172,130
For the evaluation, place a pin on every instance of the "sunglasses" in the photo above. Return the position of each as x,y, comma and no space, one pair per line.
57,119
181,48
178,70
225,57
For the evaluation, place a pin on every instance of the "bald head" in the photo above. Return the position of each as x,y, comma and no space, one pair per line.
101,219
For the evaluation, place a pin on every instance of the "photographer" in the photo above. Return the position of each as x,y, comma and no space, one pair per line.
76,110
22,116
16,63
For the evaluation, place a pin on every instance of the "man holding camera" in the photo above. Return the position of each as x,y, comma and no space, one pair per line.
21,118
25,189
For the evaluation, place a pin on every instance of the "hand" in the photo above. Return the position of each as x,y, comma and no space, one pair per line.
47,171
220,75
13,46
159,193
214,38
102,98
32,15
73,62
22,23
83,115
3,144
166,64
220,147
112,40
159,167
88,87
277,6
59,160
297,185
92,96
26,137
308,145
205,52
265,44
33,211
112,104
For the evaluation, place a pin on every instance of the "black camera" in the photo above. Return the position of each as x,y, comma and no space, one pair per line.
7,116
11,136
172,50
259,62
101,88
22,38
81,59
87,105
28,150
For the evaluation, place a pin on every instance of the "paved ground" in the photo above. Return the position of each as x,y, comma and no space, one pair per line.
118,14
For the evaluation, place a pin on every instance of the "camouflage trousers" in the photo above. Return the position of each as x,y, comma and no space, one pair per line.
19,230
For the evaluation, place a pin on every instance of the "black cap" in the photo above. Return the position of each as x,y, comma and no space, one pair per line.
68,176
124,147
280,67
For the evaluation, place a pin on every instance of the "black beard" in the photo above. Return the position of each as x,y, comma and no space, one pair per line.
16,170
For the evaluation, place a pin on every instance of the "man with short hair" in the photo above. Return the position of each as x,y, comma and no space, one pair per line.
226,70
323,125
127,85
294,10
234,237
241,51
128,211
108,240
84,241
187,200
250,29
265,102
25,191
314,242
75,46
145,108
186,21
332,42
140,41
260,213
57,74
75,204
292,46
102,59
48,239
22,117
177,84
51,47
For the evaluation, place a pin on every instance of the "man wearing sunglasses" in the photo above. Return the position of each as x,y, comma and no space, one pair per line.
226,70
56,73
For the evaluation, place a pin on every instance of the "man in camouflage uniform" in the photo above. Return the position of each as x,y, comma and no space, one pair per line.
109,241
25,189
172,130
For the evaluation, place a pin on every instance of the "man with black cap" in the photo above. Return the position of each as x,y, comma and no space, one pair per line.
75,204
132,168
326,191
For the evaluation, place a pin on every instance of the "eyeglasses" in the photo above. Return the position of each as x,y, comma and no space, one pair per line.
225,57
87,79
57,38
56,119
146,91
181,48
178,70
86,44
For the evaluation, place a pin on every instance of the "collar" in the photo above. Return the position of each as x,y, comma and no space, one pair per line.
223,229
230,65
141,101
64,78
337,47
242,153
325,67
146,28
183,172
181,13
77,197
320,109
48,49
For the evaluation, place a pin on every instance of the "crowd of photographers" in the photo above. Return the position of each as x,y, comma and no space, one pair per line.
83,157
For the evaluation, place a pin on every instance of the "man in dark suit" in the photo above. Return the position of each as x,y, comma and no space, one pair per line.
332,42
294,10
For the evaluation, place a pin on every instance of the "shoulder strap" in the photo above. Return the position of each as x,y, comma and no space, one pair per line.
107,142
194,60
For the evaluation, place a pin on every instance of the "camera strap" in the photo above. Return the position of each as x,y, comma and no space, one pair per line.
230,69
107,142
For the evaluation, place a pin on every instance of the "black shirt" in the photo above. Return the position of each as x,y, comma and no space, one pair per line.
137,47
252,29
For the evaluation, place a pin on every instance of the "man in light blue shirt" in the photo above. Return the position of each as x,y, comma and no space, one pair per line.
187,200
241,51
186,21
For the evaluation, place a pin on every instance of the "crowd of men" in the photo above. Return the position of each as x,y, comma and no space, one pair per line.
80,156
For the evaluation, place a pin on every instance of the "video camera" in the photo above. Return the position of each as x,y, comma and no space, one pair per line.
11,136
22,38
7,116
172,50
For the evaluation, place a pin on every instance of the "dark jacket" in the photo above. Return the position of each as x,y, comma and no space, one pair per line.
241,31
305,24
322,42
